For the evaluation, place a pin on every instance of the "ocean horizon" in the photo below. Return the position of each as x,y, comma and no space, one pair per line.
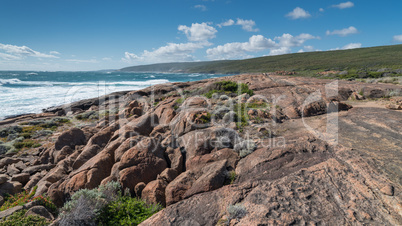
25,92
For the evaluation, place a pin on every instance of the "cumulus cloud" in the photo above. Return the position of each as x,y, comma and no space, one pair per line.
298,13
198,32
288,40
201,7
352,46
169,53
226,23
18,52
258,43
280,51
344,5
397,38
344,32
238,49
247,25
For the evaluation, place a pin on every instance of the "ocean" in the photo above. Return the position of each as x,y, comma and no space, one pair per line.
31,91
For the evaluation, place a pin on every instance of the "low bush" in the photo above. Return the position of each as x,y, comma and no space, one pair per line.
105,205
85,204
237,211
19,219
126,211
229,87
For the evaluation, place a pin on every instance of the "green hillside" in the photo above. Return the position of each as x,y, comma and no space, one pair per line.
355,59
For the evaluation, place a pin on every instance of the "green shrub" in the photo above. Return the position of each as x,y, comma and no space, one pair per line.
237,211
18,219
126,211
27,143
85,204
228,87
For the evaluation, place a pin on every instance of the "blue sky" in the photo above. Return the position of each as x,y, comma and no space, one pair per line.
93,35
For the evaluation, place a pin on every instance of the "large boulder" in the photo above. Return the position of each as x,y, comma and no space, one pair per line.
165,111
70,138
191,182
142,163
154,192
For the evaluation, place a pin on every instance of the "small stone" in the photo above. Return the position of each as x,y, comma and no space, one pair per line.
388,190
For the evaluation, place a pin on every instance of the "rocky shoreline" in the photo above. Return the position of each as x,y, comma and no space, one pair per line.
274,150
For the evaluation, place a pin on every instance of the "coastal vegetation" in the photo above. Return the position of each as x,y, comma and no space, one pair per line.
353,61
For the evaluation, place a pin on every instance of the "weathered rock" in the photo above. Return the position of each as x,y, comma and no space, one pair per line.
62,154
3,178
10,187
213,177
87,153
154,192
11,169
168,175
34,169
388,190
223,154
175,159
139,188
23,178
9,212
33,180
20,165
192,182
1,200
40,211
141,163
70,138
165,111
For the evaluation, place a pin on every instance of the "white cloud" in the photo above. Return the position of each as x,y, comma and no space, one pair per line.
22,51
397,38
54,53
238,49
298,13
226,23
352,46
201,7
321,10
288,40
344,32
82,61
198,32
308,49
6,56
106,58
344,5
247,25
280,51
169,53
258,43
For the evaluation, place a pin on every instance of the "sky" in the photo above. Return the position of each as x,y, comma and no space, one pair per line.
81,35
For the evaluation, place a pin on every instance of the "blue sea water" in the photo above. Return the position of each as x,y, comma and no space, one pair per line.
31,91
